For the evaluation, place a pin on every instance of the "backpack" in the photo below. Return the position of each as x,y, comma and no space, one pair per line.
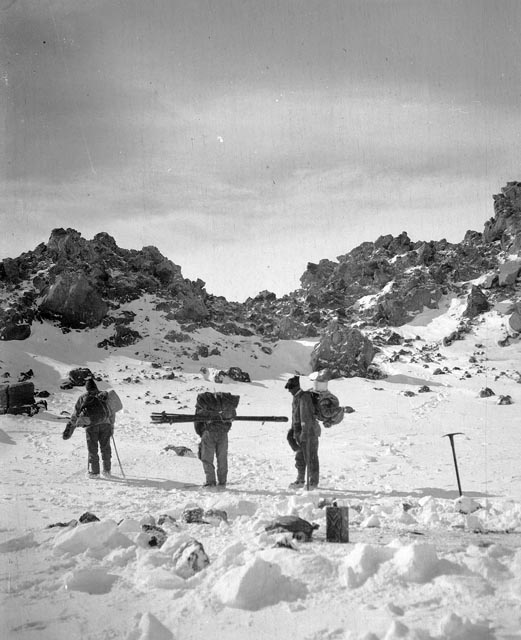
215,411
327,408
114,401
96,409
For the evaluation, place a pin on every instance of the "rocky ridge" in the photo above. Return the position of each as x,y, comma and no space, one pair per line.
350,305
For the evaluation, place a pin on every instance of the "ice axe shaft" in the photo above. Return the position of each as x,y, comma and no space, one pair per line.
117,456
450,436
308,451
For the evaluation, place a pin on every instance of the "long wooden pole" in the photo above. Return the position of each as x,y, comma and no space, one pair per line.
169,418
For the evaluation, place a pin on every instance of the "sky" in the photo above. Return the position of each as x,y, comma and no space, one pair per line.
245,139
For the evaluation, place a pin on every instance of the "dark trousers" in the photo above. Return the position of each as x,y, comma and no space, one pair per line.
99,435
307,457
214,444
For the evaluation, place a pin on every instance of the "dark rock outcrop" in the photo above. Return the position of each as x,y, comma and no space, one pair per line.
509,272
505,226
344,350
477,303
375,286
74,301
123,337
13,330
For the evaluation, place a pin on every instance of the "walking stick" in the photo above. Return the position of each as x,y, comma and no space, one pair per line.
308,449
117,456
450,436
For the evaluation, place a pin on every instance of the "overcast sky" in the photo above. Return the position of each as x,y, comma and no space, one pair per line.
245,138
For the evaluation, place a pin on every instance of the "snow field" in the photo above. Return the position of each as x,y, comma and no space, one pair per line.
421,562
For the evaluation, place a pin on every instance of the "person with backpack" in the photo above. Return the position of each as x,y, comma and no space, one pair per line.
215,412
303,435
92,411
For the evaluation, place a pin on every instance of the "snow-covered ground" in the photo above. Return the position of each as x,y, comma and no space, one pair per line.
415,565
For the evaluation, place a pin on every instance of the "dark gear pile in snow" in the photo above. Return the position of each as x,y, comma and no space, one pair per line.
17,397
301,529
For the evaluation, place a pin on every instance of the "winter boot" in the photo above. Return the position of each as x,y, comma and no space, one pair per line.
299,482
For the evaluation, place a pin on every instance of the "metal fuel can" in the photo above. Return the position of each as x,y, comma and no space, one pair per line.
337,524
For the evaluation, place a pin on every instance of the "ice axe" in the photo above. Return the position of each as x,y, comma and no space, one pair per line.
117,456
450,436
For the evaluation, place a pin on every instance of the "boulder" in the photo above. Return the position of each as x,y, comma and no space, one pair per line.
313,279
152,535
190,558
237,374
508,272
290,329
400,244
392,311
426,253
515,321
177,336
193,309
77,377
68,245
344,350
124,337
74,301
10,268
15,331
477,303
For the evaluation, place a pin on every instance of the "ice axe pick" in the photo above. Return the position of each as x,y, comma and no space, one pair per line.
450,436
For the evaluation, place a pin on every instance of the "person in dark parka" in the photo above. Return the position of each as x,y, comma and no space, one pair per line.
92,412
304,434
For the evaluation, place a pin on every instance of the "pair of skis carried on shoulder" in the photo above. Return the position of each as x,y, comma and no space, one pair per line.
171,418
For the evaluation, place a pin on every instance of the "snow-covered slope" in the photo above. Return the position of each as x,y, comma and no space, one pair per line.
415,566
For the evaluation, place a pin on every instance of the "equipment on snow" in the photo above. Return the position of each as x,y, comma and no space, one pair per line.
301,529
450,436
171,418
327,408
17,398
337,524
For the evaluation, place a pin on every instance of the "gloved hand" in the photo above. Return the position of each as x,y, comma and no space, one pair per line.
68,431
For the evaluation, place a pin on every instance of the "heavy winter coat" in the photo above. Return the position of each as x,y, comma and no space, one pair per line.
303,420
83,401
